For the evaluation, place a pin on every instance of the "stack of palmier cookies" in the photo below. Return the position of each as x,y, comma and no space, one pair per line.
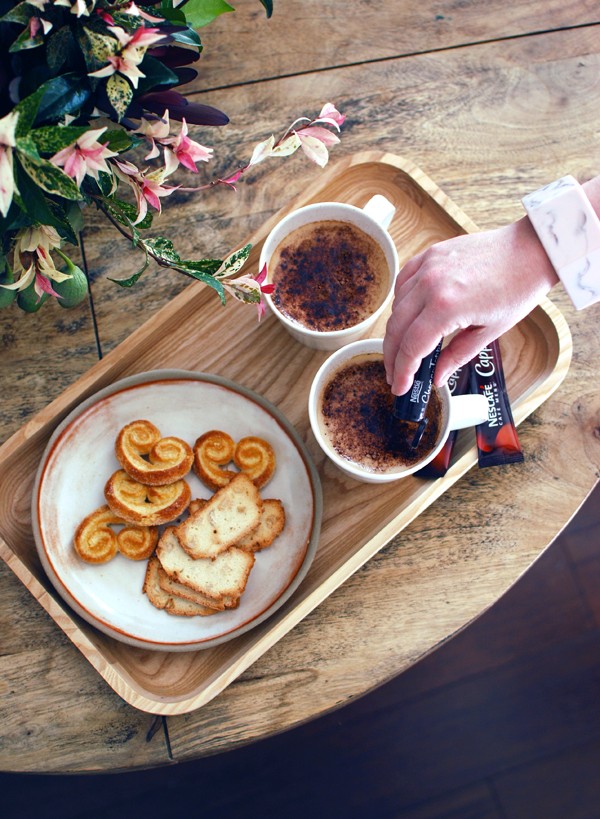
201,565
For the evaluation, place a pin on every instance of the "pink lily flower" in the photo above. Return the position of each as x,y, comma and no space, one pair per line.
131,53
154,131
250,289
33,262
180,149
147,187
7,143
85,156
330,115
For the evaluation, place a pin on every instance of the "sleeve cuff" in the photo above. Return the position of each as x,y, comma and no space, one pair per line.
569,230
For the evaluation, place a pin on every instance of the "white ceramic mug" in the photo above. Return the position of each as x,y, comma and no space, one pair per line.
458,411
374,219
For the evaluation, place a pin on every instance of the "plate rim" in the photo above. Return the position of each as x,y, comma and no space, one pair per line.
178,374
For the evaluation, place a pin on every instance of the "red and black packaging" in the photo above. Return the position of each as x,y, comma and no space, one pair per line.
458,384
497,441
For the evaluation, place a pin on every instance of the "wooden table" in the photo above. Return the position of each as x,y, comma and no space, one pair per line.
491,102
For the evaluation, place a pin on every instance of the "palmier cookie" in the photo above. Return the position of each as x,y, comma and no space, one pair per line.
96,542
146,505
149,458
212,451
256,458
215,449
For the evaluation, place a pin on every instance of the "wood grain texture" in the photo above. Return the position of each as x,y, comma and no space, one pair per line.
462,116
318,34
487,122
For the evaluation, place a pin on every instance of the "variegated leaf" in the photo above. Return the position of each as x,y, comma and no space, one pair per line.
50,178
119,93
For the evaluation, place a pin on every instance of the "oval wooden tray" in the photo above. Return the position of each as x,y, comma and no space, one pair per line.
358,519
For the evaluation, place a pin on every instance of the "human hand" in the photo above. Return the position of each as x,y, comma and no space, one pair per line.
471,288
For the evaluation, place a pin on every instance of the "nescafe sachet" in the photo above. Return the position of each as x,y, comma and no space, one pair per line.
497,441
458,384
411,405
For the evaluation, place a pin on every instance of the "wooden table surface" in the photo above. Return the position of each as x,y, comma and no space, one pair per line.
491,101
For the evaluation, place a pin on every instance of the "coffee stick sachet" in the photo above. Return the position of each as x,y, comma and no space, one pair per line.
410,406
458,384
497,440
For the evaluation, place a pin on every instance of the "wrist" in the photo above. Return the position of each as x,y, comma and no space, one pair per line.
568,229
533,255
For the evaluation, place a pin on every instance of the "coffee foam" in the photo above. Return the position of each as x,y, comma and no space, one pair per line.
355,417
329,275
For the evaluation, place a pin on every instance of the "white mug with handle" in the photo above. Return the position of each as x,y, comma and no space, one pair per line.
373,219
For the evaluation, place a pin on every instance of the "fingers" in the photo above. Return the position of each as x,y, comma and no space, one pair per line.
404,349
461,349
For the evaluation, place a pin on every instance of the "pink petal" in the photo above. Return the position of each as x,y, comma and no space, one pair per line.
262,274
330,113
43,285
151,197
322,134
187,161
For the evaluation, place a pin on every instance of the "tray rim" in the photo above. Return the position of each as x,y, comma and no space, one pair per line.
92,381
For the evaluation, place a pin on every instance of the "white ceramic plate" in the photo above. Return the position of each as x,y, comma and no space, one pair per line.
79,459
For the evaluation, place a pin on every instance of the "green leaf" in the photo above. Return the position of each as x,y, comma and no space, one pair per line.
268,4
200,13
119,93
210,281
208,266
187,37
235,262
157,75
28,109
39,208
96,48
25,42
60,48
163,248
126,214
19,14
63,95
53,138
27,146
117,140
173,15
132,279
74,218
50,178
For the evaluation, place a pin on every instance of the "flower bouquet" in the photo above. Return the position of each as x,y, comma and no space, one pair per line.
88,87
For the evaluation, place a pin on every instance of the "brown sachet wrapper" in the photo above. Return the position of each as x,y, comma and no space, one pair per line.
497,440
458,384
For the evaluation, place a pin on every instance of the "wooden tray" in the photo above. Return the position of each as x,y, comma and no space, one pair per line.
358,519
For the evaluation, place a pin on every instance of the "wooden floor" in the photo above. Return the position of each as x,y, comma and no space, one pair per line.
502,722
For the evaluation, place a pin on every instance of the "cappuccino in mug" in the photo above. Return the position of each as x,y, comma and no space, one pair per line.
329,275
356,418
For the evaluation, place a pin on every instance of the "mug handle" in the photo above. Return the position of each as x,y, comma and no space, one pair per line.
380,210
467,410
